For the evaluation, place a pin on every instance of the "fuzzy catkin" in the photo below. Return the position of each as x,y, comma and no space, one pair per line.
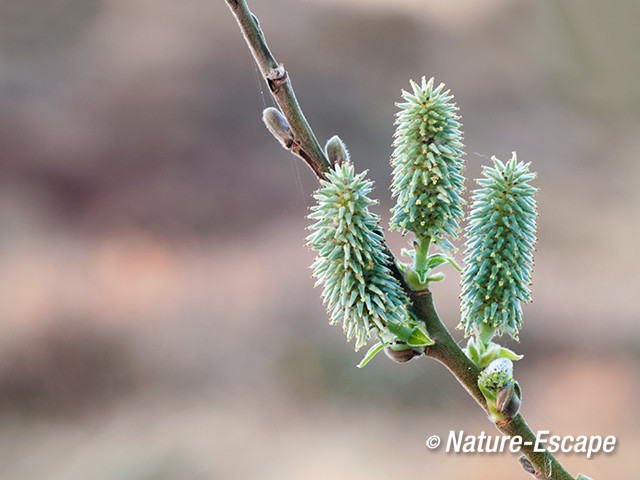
427,165
358,288
497,375
501,235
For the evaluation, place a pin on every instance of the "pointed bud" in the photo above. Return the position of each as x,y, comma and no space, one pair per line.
278,126
336,151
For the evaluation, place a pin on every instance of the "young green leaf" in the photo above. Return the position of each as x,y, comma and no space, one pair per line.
371,353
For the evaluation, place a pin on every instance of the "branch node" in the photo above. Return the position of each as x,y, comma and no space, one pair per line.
419,293
502,423
277,73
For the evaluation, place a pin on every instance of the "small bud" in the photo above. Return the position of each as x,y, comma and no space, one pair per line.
500,390
527,466
401,356
278,126
336,151
508,401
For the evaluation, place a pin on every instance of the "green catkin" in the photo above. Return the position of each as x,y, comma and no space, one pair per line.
427,165
358,288
501,235
499,374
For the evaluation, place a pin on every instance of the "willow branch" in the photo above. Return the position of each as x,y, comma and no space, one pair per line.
304,145
447,351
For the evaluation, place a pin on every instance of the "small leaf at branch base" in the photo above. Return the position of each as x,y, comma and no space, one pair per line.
371,353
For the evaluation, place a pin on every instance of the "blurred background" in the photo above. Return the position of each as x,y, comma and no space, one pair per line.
157,315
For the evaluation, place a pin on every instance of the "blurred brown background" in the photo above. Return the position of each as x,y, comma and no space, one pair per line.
158,319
